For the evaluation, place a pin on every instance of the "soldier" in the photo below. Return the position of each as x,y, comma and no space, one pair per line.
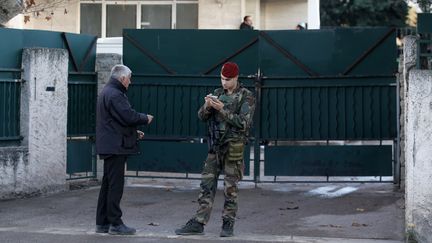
228,112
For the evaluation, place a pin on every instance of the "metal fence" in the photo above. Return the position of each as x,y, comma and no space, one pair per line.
82,91
424,47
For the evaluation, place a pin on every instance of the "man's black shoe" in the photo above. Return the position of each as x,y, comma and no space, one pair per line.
192,227
121,230
102,228
227,228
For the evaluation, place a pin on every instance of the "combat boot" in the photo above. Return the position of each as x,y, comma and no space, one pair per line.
192,227
227,228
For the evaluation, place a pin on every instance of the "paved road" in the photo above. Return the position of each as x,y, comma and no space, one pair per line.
271,213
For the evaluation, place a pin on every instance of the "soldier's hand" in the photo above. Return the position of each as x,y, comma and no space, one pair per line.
140,134
150,119
217,104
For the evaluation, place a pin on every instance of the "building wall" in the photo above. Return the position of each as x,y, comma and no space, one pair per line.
211,15
273,15
417,141
59,20
283,14
418,155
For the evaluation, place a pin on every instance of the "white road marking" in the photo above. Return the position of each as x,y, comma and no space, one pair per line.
331,192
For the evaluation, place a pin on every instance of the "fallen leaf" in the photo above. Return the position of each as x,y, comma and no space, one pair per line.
354,224
289,208
26,19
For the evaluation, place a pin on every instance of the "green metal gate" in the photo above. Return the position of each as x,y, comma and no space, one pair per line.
328,86
82,96
314,89
170,83
82,91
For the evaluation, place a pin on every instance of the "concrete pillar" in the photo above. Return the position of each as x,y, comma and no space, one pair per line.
104,63
407,62
314,22
44,99
418,154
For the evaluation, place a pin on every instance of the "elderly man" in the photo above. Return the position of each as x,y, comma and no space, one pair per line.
228,112
116,138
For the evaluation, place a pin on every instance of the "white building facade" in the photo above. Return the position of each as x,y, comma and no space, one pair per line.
107,18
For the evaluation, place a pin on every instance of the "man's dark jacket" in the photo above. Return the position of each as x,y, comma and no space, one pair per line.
244,26
116,121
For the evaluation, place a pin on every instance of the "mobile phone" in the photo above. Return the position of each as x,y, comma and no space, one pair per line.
213,97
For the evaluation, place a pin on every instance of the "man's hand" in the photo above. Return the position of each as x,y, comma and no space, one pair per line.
150,119
140,134
217,104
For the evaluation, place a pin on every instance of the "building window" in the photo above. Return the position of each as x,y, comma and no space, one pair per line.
108,18
156,16
119,17
187,16
91,19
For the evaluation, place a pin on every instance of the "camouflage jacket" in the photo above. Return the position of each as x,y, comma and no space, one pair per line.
234,121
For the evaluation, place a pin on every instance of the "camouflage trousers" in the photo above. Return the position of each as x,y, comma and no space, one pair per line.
228,159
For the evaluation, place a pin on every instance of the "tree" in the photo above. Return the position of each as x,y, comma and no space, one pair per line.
425,5
31,8
363,12
44,8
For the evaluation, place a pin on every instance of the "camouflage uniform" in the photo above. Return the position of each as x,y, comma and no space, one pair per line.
226,153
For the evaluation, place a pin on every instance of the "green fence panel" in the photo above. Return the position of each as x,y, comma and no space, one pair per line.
424,23
80,156
336,84
174,102
342,111
198,52
9,109
165,156
328,52
10,84
174,70
82,95
328,160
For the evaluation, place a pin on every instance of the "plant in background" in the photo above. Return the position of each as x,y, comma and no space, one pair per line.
425,5
363,13
44,8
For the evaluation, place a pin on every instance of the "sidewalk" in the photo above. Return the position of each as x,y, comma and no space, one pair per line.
271,213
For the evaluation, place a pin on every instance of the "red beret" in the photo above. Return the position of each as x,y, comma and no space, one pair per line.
230,70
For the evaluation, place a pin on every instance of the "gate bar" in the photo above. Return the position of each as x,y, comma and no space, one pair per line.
148,54
288,54
249,44
369,51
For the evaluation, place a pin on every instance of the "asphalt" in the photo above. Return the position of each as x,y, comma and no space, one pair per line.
267,213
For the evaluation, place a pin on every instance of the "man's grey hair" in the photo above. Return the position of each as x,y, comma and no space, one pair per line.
119,71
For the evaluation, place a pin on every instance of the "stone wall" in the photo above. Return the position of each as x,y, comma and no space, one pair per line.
417,142
39,165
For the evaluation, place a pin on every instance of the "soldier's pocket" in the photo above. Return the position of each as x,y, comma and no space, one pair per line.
235,156
235,150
